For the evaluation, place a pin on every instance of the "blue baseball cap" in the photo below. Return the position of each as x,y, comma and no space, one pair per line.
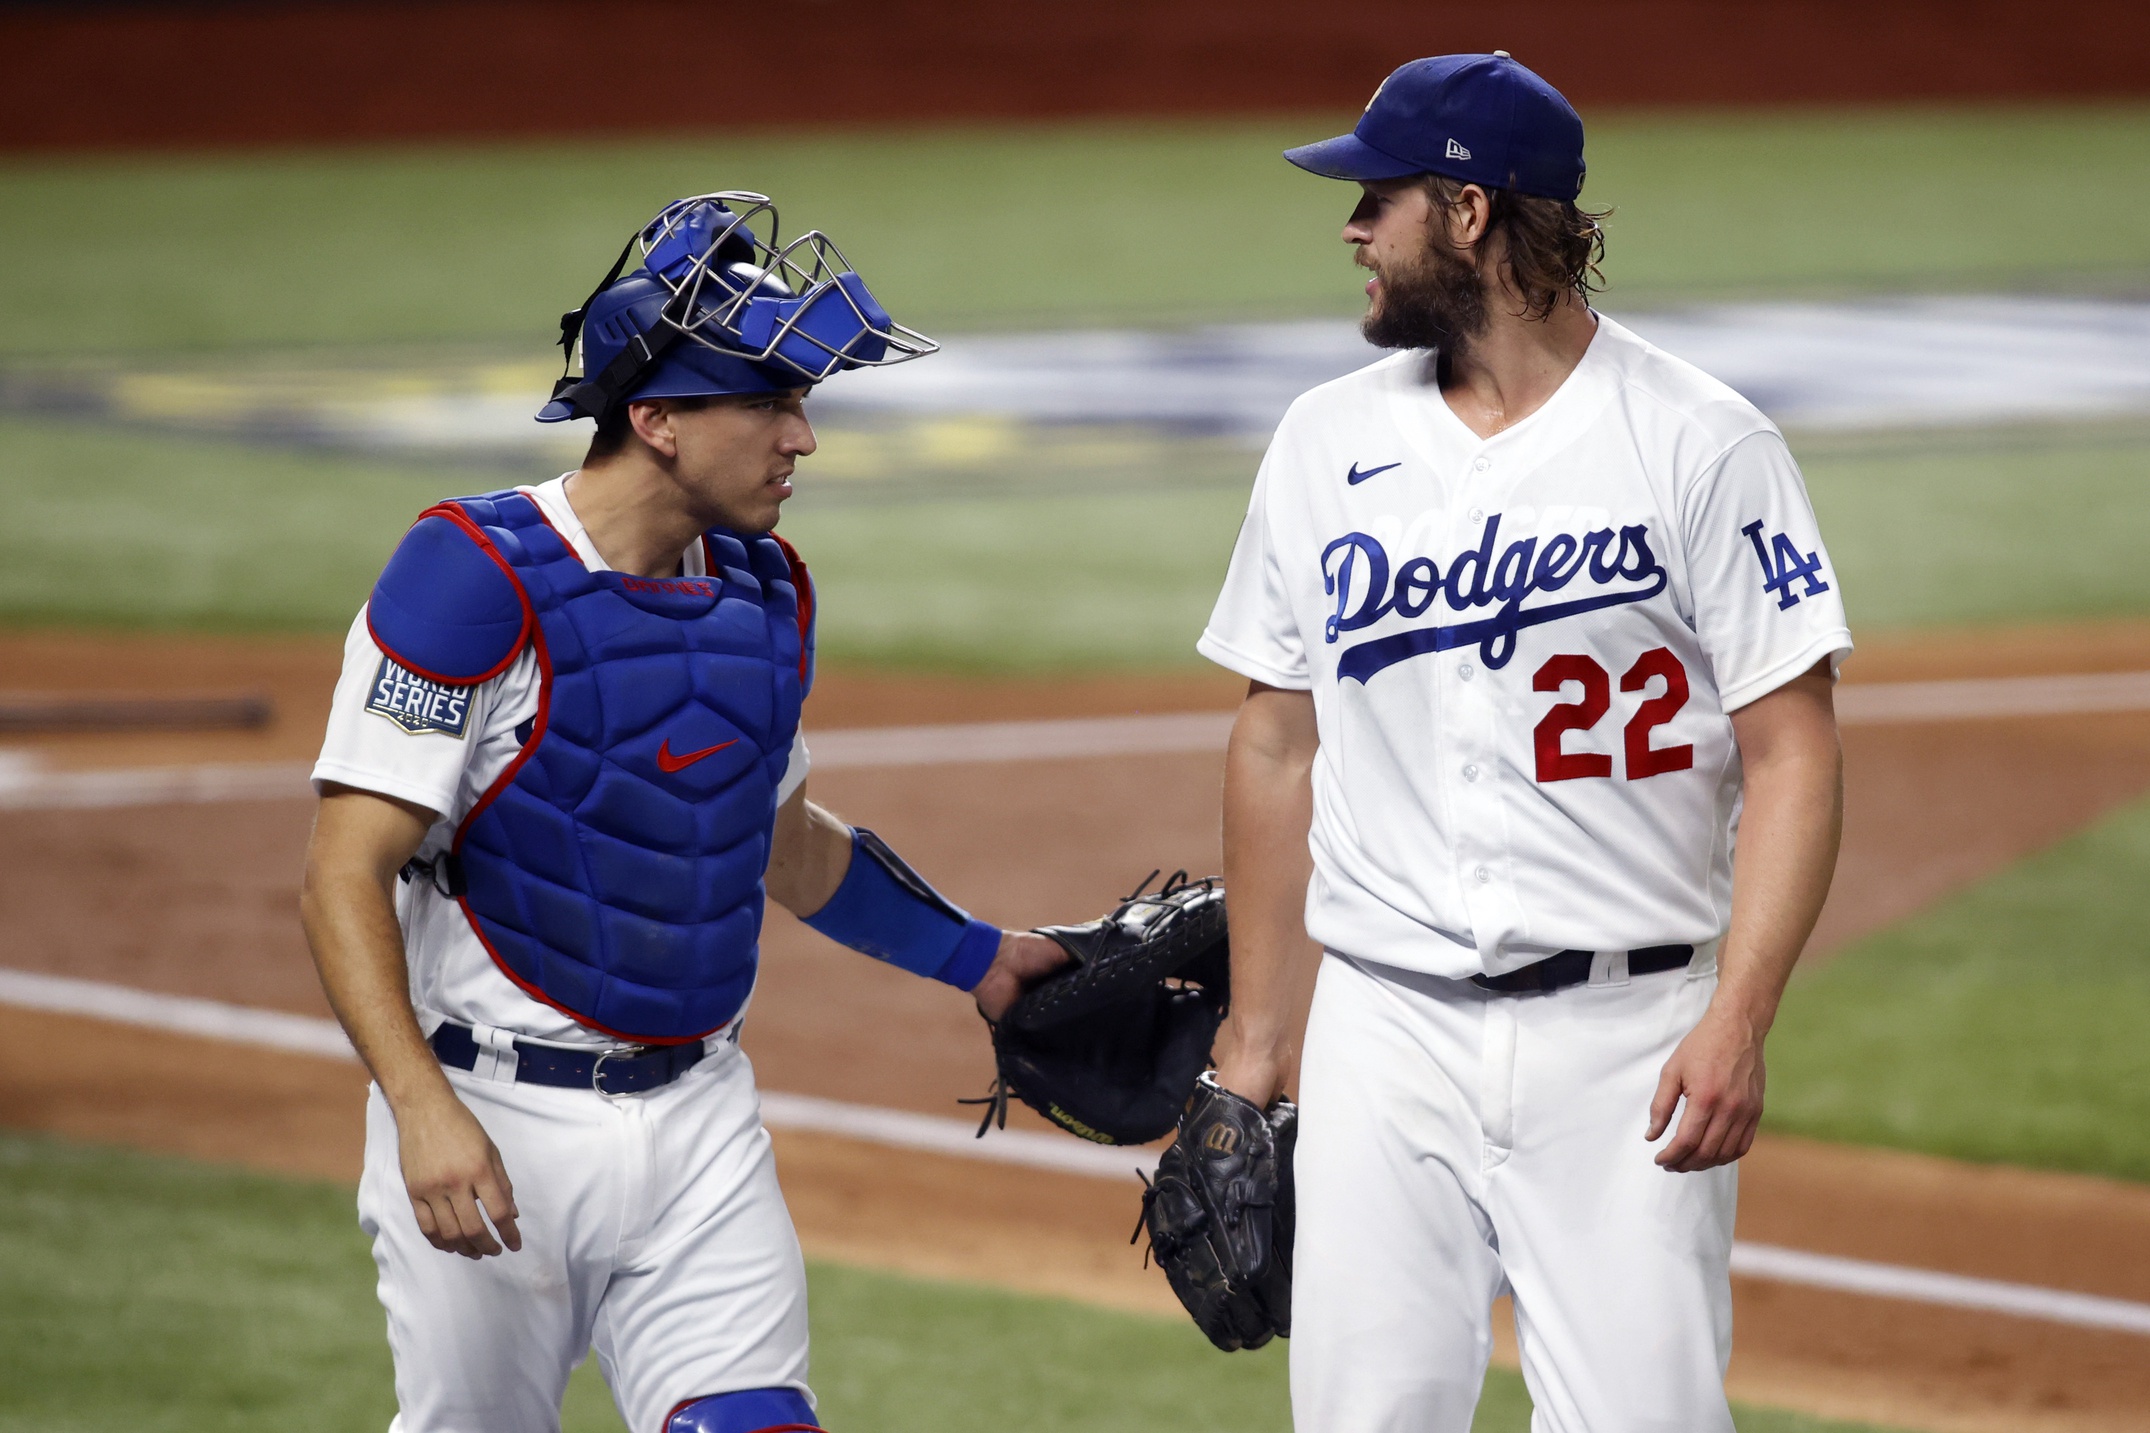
1482,119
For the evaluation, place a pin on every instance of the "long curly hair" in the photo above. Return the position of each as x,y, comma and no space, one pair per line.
1552,247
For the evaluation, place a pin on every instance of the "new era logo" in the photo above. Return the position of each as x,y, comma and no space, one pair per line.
1457,151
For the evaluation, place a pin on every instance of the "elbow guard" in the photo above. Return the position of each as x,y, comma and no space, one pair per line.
886,909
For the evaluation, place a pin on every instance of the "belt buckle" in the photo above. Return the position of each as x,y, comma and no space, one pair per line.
597,1070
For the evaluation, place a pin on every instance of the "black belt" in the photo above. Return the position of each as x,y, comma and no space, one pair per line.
620,1071
1572,967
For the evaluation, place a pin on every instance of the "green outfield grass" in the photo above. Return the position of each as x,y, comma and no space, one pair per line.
1028,225
2005,1024
164,1296
1956,528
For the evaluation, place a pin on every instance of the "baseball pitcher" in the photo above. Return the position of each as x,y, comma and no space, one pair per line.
1536,620
562,769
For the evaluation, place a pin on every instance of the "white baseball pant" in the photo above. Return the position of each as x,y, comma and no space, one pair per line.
1456,1144
652,1227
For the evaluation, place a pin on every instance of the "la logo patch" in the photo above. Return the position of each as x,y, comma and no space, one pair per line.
1782,565
418,704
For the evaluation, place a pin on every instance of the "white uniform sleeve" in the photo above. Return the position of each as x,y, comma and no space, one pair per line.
1768,604
397,735
802,761
1253,630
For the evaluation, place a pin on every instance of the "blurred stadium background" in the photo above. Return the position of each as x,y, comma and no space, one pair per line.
273,276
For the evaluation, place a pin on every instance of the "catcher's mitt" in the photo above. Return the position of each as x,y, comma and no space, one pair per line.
1109,1048
1220,1215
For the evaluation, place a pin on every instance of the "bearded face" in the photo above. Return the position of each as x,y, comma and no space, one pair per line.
1434,300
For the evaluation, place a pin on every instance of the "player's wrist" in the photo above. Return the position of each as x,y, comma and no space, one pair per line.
1255,1076
1751,1007
418,1095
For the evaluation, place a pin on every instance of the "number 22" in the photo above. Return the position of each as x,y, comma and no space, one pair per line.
1555,764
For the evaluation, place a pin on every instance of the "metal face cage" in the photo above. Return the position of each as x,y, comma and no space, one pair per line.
798,307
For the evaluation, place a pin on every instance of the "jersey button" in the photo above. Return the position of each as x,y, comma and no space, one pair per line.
1477,514
1470,773
1483,875
1467,671
1482,464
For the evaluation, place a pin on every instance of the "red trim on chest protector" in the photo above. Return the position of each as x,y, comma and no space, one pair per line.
802,583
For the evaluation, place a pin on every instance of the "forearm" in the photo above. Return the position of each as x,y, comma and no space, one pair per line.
1780,876
347,907
809,854
847,884
1268,810
1790,829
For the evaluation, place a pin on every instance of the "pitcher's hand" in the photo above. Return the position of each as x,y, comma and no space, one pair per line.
1718,1068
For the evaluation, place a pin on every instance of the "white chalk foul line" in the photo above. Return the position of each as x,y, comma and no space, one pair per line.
179,1014
1926,1286
2081,694
903,1129
28,789
23,787
958,1138
1020,740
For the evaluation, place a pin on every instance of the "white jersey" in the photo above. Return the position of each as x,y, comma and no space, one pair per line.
392,732
1523,651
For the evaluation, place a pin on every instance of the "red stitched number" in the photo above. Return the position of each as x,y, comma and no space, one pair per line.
1553,763
1642,759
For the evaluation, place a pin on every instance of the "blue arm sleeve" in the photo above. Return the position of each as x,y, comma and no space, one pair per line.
886,909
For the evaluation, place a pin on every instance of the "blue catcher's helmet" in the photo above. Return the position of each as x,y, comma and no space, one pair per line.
714,308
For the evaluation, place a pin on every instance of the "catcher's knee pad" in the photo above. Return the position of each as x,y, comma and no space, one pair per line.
752,1410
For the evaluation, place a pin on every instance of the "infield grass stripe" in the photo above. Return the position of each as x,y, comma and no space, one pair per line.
125,529
2004,1024
1026,225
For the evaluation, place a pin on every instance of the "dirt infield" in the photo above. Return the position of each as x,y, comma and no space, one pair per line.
199,900
169,74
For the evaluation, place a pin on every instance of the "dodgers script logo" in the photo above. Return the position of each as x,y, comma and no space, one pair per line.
417,704
1355,571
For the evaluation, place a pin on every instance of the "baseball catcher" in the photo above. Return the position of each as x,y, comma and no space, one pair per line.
564,773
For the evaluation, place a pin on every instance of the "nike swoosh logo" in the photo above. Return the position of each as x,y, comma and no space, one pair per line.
666,761
1355,477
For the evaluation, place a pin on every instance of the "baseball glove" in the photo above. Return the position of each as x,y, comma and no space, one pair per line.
1109,1048
1220,1215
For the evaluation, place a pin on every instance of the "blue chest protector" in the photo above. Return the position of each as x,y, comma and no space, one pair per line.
614,870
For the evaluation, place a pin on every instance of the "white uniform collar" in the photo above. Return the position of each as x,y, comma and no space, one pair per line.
551,499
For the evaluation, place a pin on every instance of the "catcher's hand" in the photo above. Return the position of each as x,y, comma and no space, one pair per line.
1109,1048
1220,1215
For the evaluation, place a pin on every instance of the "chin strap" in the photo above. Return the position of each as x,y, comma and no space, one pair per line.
593,395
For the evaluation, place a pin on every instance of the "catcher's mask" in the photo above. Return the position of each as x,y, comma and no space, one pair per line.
715,308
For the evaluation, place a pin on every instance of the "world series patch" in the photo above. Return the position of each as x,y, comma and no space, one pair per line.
418,704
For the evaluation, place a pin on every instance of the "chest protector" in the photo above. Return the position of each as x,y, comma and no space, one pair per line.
614,869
